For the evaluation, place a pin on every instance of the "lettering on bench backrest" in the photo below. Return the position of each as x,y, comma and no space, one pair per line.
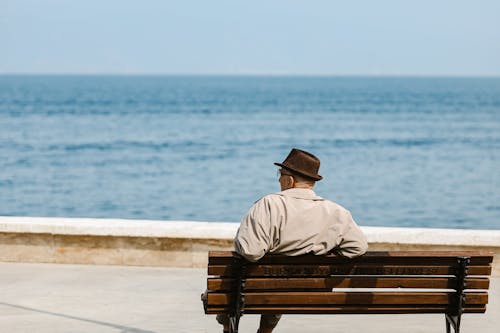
360,270
296,270
302,270
396,270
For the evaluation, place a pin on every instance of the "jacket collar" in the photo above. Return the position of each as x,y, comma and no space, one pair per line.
300,193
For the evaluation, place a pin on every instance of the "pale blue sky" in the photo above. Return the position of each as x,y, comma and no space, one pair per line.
383,37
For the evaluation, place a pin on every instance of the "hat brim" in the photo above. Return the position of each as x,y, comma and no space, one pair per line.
315,177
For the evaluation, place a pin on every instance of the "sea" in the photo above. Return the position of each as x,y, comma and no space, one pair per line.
395,151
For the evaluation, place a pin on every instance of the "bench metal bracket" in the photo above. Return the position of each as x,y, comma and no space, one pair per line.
453,318
238,308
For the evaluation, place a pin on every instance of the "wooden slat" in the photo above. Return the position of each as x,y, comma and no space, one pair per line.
348,310
344,269
480,258
346,282
230,254
353,298
359,298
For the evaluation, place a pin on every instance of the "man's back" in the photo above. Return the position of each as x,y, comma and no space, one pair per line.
296,221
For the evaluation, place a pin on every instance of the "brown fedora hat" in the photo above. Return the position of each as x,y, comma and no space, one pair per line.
303,163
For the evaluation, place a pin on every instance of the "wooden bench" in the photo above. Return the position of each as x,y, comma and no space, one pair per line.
445,282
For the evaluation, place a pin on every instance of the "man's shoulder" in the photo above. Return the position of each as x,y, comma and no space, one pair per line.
337,207
273,197
265,203
335,204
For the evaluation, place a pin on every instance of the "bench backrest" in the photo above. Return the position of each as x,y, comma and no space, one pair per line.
377,282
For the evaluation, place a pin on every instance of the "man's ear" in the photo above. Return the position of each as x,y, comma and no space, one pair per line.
292,181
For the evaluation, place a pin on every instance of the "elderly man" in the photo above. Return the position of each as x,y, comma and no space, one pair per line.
296,221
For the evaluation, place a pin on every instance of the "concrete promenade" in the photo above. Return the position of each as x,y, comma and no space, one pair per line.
53,298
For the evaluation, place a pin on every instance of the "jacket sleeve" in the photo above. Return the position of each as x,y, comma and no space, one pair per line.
353,242
253,238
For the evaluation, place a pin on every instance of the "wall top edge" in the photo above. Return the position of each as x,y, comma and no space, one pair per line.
227,230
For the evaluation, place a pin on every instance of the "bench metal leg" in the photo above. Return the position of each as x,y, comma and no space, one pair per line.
239,296
453,321
234,322
454,318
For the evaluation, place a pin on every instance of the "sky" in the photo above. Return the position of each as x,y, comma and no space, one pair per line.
255,37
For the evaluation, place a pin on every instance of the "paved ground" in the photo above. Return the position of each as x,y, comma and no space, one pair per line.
49,298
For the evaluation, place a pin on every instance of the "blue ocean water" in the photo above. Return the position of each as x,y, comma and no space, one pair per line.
419,152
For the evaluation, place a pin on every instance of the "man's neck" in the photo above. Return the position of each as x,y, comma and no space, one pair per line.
305,186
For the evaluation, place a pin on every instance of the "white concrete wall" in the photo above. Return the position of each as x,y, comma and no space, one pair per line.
184,243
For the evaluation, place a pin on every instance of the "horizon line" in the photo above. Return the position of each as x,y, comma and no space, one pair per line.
329,75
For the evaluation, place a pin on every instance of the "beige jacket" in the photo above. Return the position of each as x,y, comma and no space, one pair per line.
295,222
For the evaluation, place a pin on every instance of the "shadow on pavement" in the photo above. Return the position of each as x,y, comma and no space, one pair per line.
124,329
